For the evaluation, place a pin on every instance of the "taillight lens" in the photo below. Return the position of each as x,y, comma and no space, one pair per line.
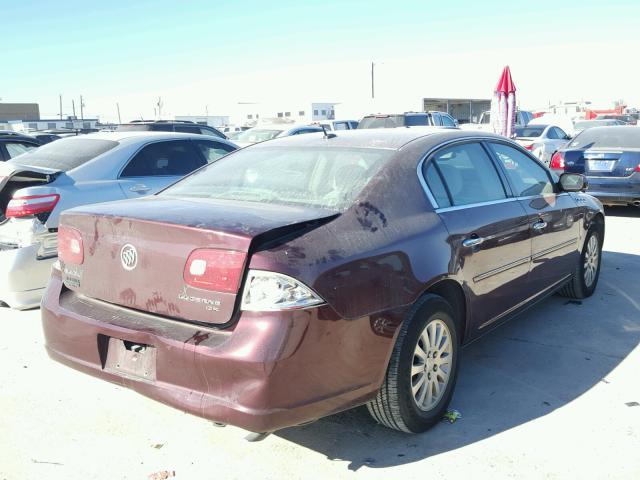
637,169
213,269
31,205
70,246
270,291
557,161
529,147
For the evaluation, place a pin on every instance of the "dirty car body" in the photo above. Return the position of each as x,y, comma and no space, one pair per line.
270,297
37,186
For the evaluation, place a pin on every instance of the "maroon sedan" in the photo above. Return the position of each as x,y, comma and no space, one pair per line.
304,276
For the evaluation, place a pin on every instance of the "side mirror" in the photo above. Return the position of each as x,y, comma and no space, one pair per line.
573,182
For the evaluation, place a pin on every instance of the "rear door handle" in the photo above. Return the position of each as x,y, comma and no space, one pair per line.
140,188
472,242
539,225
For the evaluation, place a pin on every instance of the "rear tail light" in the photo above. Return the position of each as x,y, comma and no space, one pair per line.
70,246
557,161
31,205
270,291
529,147
637,169
217,270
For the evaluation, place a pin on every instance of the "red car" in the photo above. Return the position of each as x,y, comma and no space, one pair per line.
303,276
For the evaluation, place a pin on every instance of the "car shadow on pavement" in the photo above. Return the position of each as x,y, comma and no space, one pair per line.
538,362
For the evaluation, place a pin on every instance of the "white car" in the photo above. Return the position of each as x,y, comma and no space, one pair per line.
266,132
37,186
542,140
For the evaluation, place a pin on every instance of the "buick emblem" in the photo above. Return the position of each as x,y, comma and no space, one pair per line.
129,257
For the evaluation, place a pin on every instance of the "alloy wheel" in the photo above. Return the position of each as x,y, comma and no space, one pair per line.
591,258
431,366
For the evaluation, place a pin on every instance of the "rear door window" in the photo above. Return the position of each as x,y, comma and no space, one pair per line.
171,158
527,176
447,121
212,151
468,175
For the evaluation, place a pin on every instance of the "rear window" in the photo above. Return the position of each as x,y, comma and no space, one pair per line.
382,121
529,131
329,178
607,137
66,154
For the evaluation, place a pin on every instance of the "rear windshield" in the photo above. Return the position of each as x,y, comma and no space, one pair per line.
608,137
65,154
382,121
329,177
529,131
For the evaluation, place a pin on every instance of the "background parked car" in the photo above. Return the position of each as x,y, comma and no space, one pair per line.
523,118
626,118
356,254
338,124
610,158
182,126
13,144
44,137
266,132
586,124
37,186
408,119
542,140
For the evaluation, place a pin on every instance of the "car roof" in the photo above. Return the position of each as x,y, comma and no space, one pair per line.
383,138
135,136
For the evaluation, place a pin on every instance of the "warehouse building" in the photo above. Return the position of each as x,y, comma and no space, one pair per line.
465,110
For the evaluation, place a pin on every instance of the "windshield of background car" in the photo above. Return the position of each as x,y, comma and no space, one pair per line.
319,177
382,121
529,131
257,135
608,137
65,154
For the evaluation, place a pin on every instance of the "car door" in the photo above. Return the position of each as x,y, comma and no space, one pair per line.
553,217
488,230
157,165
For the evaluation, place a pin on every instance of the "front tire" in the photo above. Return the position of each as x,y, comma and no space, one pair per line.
587,272
422,370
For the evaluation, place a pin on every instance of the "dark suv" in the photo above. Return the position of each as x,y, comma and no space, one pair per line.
408,119
169,126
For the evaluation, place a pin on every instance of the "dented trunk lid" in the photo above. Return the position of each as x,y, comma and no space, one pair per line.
164,231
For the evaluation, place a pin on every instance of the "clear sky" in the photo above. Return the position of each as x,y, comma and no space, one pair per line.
213,54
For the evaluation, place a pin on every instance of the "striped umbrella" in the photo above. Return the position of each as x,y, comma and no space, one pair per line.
503,105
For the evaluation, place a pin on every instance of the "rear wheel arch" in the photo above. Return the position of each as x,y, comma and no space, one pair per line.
453,293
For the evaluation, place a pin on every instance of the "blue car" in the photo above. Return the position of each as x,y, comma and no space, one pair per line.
610,159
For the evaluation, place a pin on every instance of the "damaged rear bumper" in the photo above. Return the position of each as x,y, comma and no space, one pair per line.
272,370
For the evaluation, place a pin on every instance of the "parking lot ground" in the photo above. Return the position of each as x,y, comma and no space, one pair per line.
552,394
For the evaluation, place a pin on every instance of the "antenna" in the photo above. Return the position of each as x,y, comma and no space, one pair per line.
327,135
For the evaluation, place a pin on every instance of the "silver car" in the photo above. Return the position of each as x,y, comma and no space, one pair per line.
37,186
542,140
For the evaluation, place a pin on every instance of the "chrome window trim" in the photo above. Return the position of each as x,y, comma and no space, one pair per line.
478,204
423,181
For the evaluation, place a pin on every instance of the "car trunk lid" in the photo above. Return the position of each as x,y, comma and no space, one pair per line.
603,163
14,177
164,233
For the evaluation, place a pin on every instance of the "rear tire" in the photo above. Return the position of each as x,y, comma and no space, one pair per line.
422,371
587,271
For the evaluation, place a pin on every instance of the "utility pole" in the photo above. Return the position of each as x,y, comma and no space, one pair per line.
372,80
81,108
160,104
60,106
206,109
73,106
118,107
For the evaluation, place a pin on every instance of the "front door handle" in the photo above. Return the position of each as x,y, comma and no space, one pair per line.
472,242
140,188
539,225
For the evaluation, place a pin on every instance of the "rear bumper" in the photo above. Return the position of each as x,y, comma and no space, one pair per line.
23,276
615,190
273,370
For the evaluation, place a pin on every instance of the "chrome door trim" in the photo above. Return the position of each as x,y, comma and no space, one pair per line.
504,268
